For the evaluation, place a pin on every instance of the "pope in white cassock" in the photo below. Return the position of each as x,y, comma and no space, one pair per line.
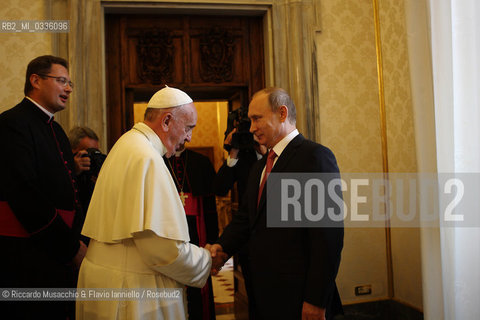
136,221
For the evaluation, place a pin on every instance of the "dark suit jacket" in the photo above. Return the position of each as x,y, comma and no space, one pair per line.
288,265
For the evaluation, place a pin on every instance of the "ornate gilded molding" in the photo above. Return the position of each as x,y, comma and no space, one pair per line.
155,56
216,55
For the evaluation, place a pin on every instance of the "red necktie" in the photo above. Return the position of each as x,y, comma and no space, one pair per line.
268,168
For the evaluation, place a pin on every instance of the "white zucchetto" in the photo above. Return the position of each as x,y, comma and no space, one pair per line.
168,98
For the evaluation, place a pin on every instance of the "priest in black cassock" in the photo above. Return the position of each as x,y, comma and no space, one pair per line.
40,217
193,174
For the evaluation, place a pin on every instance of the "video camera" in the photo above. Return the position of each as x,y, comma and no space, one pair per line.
242,139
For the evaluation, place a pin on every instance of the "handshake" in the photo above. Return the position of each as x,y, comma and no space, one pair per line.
218,257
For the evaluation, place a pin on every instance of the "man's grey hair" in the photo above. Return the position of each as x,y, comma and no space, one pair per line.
152,113
78,133
279,97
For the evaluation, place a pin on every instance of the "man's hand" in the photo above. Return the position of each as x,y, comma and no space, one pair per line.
228,141
82,251
81,163
311,312
218,257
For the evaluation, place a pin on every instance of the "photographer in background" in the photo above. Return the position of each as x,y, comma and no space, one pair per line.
82,139
244,151
88,161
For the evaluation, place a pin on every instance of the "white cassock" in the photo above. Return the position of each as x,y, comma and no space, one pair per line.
139,234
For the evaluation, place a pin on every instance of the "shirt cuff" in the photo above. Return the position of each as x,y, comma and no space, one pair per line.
231,162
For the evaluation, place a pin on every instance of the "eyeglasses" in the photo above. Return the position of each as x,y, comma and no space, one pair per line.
61,80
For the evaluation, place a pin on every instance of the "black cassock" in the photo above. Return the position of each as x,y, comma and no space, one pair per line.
37,188
193,175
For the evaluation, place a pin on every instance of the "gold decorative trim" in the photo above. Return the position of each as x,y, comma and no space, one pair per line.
383,128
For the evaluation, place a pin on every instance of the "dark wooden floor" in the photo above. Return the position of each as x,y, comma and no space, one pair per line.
380,310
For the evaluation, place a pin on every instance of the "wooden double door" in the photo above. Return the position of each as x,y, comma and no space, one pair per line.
209,57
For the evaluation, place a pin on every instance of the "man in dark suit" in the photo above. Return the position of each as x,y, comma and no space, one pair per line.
39,212
293,269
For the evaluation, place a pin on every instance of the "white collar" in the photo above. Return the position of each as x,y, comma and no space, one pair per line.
41,108
282,144
151,136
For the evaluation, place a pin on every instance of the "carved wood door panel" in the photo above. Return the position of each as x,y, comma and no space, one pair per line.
209,57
